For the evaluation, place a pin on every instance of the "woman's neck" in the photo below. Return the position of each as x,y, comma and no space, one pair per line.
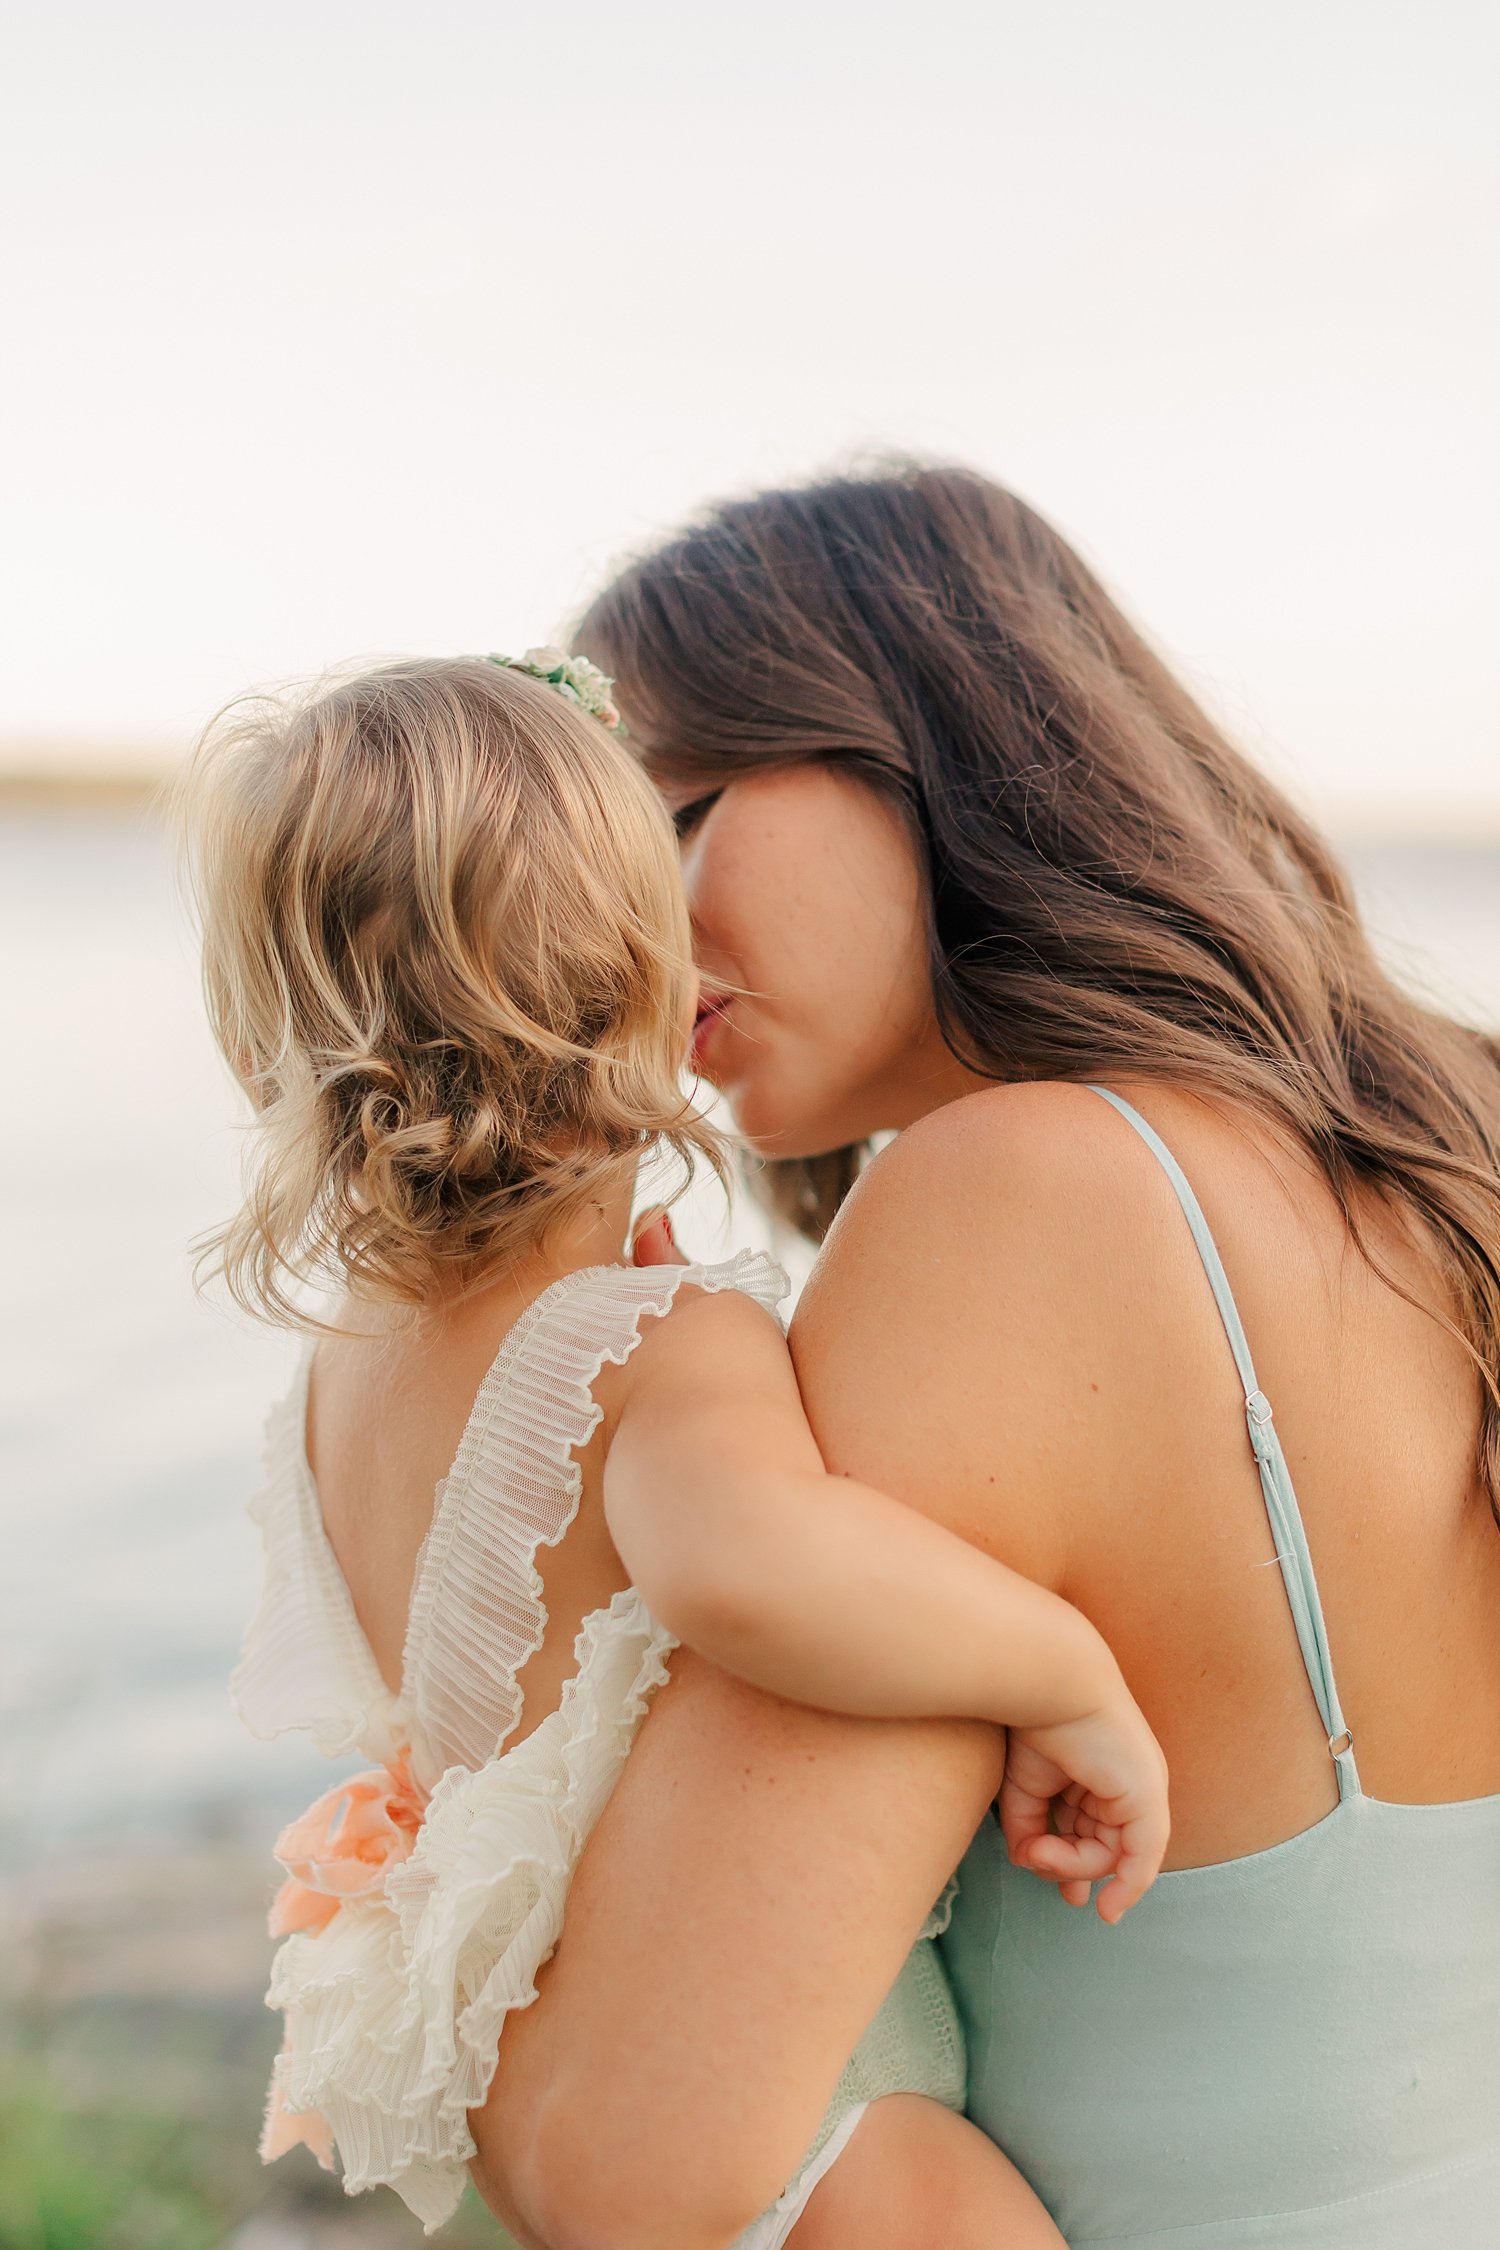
930,1078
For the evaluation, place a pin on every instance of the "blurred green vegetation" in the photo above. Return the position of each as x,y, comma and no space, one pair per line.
134,2128
134,2056
73,2180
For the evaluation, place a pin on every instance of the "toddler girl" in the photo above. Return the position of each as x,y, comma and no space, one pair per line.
446,952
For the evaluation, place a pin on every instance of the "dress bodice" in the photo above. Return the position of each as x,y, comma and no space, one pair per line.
476,1613
422,1898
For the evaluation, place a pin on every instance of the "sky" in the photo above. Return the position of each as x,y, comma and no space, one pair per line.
332,331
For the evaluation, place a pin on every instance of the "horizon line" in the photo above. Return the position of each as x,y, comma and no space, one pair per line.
1473,823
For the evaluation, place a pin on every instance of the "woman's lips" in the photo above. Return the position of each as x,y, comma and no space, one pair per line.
710,1015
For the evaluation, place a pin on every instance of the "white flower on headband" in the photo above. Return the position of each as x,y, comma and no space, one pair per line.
573,676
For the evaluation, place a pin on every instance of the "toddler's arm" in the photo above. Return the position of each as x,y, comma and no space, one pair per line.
808,1585
830,1593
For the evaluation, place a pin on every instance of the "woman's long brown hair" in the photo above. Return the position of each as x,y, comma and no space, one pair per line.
1113,888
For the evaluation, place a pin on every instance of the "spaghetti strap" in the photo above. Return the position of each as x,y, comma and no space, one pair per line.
1275,1477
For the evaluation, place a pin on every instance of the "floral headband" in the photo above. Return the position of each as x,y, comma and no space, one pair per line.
572,676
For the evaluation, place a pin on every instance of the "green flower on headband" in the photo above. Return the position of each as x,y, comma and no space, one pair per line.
573,676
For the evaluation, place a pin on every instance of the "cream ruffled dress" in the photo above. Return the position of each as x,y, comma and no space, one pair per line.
423,1897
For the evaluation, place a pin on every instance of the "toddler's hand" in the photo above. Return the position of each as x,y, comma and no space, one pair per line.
653,1243
1088,1799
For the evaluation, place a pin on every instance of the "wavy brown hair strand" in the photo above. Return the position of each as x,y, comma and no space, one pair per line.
1113,888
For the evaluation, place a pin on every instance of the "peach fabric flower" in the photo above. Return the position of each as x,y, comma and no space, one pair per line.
343,1846
282,2130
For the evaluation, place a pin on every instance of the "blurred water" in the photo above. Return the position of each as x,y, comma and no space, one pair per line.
130,1412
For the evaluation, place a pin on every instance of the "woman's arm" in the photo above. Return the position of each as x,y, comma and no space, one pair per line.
739,1914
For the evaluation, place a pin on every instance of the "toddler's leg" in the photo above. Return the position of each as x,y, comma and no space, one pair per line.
915,2177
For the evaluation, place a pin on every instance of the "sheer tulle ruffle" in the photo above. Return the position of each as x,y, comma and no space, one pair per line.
394,2008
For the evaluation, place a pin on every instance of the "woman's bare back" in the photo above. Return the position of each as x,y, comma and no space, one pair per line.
1075,1408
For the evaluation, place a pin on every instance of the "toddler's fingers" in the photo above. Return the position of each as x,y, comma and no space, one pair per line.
1068,1859
1143,1847
1023,1818
653,1242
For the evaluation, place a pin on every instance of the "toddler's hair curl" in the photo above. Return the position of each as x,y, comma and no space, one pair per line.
446,950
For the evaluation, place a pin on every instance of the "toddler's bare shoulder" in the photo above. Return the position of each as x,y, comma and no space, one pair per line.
706,1337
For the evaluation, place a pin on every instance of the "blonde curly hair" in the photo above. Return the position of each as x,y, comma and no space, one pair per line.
446,951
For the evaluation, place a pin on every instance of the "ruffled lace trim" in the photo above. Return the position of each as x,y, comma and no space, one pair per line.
937,1921
394,2010
477,1612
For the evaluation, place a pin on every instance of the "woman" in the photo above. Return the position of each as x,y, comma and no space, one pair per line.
966,863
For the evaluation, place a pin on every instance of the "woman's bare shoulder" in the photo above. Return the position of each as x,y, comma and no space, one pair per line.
1044,1177
988,1192
958,1343
1001,1303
